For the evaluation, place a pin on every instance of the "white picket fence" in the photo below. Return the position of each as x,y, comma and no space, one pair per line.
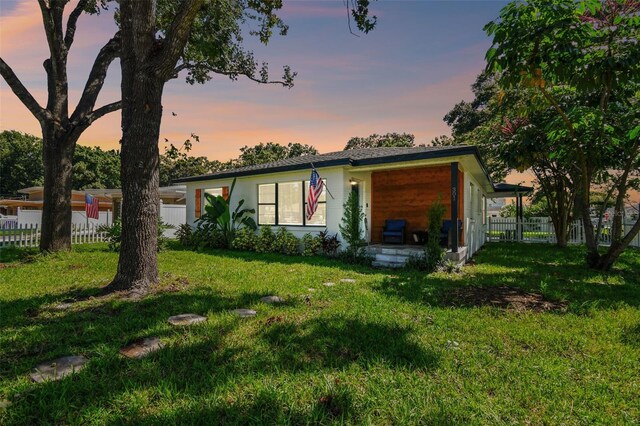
541,230
29,235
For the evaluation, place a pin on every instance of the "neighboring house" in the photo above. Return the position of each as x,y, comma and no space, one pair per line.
27,211
392,183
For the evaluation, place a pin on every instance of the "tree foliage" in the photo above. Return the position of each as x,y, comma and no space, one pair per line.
269,152
379,141
20,162
581,64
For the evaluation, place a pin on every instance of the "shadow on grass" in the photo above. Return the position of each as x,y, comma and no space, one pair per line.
558,274
197,361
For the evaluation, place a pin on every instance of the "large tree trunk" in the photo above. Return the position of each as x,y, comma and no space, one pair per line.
140,177
58,172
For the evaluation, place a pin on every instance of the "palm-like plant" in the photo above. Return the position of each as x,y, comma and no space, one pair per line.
218,215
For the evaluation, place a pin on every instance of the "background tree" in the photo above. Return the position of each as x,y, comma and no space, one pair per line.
562,47
20,162
269,152
61,131
160,39
378,141
95,168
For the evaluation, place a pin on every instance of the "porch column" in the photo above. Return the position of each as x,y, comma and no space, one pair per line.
454,207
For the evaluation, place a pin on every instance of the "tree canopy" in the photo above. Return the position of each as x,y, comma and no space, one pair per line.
378,141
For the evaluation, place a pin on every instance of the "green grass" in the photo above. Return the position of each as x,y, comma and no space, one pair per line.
378,351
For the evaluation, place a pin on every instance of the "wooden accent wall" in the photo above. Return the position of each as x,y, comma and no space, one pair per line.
408,193
198,203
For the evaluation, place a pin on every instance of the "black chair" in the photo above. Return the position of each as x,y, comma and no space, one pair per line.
393,231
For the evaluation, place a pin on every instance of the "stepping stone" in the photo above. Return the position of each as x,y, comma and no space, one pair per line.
62,306
311,289
142,348
329,284
245,313
58,368
4,403
272,299
186,319
347,280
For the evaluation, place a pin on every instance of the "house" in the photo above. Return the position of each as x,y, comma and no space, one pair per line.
392,183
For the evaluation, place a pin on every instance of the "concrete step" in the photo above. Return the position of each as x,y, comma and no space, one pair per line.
391,258
386,264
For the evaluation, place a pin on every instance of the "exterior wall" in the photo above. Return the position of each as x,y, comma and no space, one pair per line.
408,193
473,223
247,188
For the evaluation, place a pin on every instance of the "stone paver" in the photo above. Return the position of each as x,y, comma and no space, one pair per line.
272,299
347,280
245,313
142,348
4,403
58,368
328,284
62,306
186,319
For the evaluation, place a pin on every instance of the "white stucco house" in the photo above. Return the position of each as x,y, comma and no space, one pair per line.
392,183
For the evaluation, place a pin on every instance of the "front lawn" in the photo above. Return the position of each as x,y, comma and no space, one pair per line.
390,348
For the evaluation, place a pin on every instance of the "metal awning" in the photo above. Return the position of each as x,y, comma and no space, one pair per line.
508,190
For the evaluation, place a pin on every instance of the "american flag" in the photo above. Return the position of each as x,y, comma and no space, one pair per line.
91,206
316,185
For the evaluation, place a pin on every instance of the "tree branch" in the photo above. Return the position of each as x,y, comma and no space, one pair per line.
96,78
182,67
177,37
103,110
72,22
21,92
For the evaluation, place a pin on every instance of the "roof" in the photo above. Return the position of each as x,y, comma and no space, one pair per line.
509,189
352,157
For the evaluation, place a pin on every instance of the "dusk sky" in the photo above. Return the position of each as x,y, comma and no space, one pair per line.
402,77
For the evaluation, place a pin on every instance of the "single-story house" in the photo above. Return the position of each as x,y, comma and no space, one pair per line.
391,183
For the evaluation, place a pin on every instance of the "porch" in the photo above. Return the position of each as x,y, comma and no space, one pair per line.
397,256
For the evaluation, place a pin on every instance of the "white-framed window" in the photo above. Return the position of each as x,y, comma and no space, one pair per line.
285,204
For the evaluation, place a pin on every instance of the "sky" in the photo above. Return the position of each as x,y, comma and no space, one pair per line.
402,77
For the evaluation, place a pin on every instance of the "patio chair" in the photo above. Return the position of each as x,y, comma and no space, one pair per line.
393,231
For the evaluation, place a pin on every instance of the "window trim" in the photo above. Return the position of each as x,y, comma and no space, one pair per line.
304,205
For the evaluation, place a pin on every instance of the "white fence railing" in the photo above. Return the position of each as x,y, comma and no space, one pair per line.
29,235
541,230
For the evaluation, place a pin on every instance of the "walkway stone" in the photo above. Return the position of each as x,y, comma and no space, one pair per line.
186,319
328,284
62,306
272,299
142,348
347,280
245,313
4,403
58,368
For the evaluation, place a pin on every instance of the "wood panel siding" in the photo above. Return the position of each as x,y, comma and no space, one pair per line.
198,203
408,193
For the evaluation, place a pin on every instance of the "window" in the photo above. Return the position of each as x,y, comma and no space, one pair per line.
285,204
267,204
223,191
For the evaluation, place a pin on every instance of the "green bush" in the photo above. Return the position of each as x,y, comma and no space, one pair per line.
330,243
351,226
286,242
266,240
184,234
245,239
114,234
433,253
205,236
311,245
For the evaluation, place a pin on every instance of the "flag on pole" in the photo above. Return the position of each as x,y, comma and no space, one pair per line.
316,185
91,207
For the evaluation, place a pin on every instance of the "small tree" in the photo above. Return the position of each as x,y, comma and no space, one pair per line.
433,252
351,229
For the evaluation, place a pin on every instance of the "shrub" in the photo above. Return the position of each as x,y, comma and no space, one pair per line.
206,236
433,253
329,243
245,239
286,242
311,245
266,240
184,234
351,226
450,267
114,234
